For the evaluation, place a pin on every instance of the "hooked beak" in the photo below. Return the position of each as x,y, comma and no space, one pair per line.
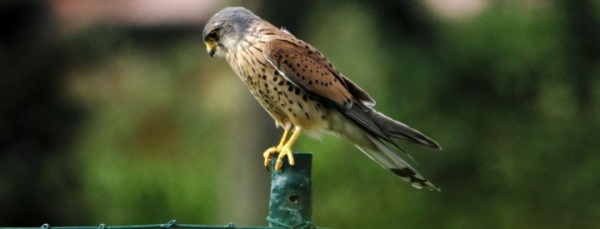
211,48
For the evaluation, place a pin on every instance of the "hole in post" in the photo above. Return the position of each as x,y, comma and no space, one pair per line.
294,198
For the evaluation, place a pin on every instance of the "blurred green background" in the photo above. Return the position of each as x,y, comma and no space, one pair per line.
112,112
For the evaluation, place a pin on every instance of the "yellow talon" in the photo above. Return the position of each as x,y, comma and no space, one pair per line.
267,154
277,149
282,153
284,148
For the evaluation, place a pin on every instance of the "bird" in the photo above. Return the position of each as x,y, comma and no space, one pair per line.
304,93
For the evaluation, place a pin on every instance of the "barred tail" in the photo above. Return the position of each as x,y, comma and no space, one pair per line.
394,163
370,143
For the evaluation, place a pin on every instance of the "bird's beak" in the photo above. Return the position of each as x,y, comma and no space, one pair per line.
211,47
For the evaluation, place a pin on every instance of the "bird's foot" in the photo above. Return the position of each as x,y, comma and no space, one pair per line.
267,155
281,152
285,151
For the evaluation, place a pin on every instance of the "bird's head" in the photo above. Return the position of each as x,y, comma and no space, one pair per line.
226,28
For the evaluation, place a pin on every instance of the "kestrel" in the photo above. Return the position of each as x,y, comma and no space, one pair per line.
304,92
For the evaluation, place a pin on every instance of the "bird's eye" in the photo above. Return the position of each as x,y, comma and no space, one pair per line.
214,35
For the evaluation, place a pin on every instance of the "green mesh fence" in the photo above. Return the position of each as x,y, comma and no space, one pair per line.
170,224
290,205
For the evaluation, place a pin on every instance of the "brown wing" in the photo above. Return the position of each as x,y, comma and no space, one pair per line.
308,69
304,66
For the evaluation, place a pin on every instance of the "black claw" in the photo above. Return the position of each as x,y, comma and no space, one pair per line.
268,166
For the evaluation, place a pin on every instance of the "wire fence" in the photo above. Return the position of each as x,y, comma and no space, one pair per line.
290,206
168,225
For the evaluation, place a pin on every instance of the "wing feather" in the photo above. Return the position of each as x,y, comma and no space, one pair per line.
308,69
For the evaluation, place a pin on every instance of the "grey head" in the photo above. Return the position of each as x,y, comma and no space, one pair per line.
226,28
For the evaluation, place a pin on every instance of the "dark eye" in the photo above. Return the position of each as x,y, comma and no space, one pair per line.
214,35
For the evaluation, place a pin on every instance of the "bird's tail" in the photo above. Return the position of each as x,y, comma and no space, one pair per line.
375,148
394,129
387,158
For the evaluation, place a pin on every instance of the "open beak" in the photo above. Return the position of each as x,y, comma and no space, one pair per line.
211,48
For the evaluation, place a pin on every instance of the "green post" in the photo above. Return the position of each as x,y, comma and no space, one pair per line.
291,193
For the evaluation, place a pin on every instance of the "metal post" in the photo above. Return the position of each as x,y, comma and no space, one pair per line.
291,194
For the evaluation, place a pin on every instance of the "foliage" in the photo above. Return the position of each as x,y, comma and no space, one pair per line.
512,95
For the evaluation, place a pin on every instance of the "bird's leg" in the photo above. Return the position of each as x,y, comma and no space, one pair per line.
275,150
287,149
